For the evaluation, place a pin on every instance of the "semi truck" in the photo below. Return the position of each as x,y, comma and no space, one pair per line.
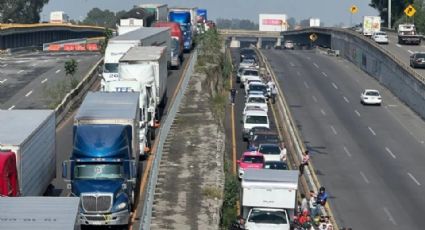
119,45
371,24
148,66
103,166
27,152
201,19
128,25
39,213
176,42
268,198
186,17
407,34
159,10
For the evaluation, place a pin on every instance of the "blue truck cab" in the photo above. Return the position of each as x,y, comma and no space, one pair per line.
184,19
103,164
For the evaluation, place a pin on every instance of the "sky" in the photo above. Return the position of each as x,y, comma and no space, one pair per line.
330,12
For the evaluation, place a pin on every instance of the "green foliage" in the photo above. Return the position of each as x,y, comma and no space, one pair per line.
397,8
209,44
231,196
104,43
71,67
21,11
98,17
243,24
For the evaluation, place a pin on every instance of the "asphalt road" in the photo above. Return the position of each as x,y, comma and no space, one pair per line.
25,77
368,157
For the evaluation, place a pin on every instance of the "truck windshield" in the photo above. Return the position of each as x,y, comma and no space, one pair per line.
185,27
256,120
110,68
98,171
268,217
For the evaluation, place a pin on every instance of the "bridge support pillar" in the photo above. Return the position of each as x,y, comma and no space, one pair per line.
235,43
259,41
278,43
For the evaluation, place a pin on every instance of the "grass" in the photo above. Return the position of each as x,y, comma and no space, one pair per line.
212,192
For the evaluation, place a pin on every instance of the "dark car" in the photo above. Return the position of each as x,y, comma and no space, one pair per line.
255,130
247,52
280,165
269,137
417,60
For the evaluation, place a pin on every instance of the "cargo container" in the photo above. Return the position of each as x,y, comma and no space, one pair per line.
176,42
159,10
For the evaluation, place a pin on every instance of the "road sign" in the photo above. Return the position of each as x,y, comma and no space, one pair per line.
354,9
410,11
313,37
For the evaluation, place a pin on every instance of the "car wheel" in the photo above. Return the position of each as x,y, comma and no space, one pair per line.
361,102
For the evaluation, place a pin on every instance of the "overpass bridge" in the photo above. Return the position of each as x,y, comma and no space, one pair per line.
259,35
31,35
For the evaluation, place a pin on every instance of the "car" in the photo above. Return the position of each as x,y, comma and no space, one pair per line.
256,87
259,138
250,159
257,100
288,44
248,63
417,60
270,151
247,73
251,108
370,97
239,73
247,52
254,118
279,165
249,80
380,37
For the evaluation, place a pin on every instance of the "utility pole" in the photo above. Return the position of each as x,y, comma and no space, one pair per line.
389,14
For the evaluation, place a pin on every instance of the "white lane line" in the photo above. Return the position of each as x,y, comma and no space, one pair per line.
398,45
314,98
34,65
29,93
414,179
347,152
20,71
364,177
57,71
357,112
390,217
346,99
371,130
46,60
306,85
333,130
292,64
391,153
323,112
315,65
43,81
3,81
411,52
298,73
11,107
334,85
4,65
324,74
308,58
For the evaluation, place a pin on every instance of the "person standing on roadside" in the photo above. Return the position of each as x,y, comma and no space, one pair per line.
233,95
273,93
283,152
304,162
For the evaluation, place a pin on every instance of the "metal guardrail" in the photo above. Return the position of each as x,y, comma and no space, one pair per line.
248,33
163,133
76,94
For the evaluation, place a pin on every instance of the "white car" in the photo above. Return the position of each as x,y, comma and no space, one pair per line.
370,97
247,73
255,86
289,44
380,37
254,118
248,63
251,80
251,108
257,100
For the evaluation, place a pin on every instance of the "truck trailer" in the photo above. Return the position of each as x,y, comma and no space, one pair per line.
27,152
176,42
159,10
187,18
103,167
371,24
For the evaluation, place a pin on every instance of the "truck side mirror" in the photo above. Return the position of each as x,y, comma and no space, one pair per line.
64,170
133,170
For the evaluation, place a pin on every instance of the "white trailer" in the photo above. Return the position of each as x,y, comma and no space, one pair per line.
371,24
148,66
30,134
128,25
160,10
58,17
273,22
39,213
118,46
314,22
193,16
269,191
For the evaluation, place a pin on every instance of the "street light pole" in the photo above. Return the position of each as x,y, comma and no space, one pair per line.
389,14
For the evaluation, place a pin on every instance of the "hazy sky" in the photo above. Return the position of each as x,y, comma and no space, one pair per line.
331,12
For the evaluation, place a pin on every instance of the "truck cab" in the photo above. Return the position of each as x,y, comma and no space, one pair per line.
267,218
407,34
183,18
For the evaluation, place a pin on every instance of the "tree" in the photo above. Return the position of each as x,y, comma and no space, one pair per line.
243,24
397,7
71,67
21,11
98,17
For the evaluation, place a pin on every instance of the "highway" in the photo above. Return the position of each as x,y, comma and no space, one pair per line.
368,157
25,77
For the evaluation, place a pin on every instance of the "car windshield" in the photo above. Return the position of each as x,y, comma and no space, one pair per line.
275,165
110,68
258,87
248,61
256,120
250,73
268,217
98,171
269,149
372,93
270,138
256,100
253,159
421,55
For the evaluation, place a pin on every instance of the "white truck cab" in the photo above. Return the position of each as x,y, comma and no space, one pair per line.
254,118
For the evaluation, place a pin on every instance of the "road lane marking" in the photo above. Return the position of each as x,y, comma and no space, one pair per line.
347,152
371,130
34,65
411,52
3,81
57,71
357,112
29,93
391,153
43,81
298,73
346,99
308,58
323,112
398,45
315,65
414,179
333,130
314,98
292,64
324,74
306,85
390,217
11,107
20,71
334,85
364,177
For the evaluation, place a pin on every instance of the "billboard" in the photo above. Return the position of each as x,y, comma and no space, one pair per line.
273,22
